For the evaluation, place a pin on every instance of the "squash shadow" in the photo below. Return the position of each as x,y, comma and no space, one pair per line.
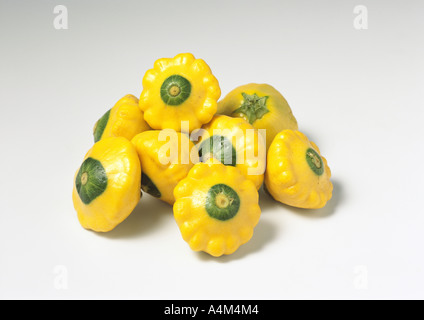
266,202
264,233
327,211
146,216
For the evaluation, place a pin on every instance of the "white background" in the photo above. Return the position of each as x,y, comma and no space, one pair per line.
356,93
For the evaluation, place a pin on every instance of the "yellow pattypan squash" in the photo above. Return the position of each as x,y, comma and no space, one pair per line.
234,142
166,156
179,89
107,185
124,119
216,208
297,174
262,106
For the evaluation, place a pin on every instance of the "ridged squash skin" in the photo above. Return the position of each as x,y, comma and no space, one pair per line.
216,208
297,174
262,106
124,119
179,89
108,189
161,168
248,148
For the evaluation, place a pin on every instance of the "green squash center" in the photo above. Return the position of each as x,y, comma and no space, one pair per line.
220,148
314,161
175,90
91,180
100,126
149,187
222,202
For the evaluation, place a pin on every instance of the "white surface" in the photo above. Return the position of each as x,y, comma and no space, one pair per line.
356,93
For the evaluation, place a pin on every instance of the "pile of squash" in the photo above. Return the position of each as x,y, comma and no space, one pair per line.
205,157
